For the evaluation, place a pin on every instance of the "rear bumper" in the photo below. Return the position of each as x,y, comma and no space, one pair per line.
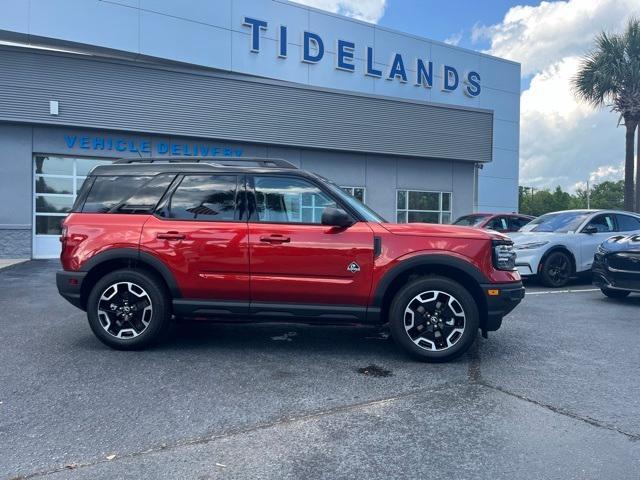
70,286
501,300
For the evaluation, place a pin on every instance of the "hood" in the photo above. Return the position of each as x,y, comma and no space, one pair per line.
438,230
622,243
520,238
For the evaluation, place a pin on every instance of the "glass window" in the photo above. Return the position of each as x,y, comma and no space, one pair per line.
424,201
424,217
53,204
470,220
516,223
446,202
54,185
402,200
604,223
561,222
145,199
79,183
54,165
355,192
288,200
627,223
498,224
204,197
107,192
85,165
57,184
49,225
422,206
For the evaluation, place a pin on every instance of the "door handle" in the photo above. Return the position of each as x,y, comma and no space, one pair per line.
172,235
275,239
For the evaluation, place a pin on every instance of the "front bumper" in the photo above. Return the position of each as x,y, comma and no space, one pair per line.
603,277
527,261
70,286
501,300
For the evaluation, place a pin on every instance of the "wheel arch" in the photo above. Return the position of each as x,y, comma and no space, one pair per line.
559,248
447,266
119,258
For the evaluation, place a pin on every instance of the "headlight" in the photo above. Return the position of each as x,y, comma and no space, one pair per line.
530,246
504,257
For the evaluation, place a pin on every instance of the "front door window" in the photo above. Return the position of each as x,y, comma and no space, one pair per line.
288,200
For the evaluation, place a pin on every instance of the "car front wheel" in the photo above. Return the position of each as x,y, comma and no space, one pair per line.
128,309
434,319
556,270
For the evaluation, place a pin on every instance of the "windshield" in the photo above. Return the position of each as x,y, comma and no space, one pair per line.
364,211
470,220
561,222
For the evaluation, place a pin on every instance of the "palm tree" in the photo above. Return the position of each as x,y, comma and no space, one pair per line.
610,75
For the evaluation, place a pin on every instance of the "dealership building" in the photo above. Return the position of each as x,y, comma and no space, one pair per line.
418,129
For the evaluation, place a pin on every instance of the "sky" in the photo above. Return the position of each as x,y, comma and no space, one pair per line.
562,141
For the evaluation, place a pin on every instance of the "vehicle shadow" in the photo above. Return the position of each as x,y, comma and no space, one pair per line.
278,337
583,281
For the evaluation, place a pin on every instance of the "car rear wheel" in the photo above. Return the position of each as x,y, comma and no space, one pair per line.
615,293
128,309
556,270
434,319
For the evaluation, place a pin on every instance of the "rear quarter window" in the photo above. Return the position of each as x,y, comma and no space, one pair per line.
109,192
627,223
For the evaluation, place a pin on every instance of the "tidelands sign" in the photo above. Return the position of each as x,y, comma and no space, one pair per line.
313,51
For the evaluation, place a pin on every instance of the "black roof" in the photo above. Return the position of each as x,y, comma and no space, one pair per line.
156,165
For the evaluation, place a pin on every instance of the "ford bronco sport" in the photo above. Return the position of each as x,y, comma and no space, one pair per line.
260,240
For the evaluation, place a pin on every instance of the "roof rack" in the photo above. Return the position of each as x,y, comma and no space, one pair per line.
262,162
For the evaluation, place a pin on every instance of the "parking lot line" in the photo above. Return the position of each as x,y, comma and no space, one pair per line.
547,292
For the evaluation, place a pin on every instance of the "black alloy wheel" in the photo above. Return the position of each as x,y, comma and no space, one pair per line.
556,270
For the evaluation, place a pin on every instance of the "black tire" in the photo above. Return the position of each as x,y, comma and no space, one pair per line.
406,296
158,319
616,294
556,270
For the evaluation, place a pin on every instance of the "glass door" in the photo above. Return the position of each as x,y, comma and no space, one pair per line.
56,181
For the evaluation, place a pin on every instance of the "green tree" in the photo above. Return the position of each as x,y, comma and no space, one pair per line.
606,195
610,76
539,202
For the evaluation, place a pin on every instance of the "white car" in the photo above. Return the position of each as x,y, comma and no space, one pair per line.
558,245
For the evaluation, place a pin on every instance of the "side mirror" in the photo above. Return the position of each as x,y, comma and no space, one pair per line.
336,217
590,230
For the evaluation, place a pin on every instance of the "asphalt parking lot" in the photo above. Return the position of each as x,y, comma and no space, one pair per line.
554,394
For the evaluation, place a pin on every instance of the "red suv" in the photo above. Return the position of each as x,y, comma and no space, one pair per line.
260,240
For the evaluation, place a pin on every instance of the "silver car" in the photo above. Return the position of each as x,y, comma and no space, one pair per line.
556,246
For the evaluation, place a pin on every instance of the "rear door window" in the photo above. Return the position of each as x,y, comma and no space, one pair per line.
205,198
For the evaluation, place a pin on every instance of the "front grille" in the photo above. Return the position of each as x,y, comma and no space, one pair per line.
627,261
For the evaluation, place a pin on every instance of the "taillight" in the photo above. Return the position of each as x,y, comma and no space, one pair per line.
63,234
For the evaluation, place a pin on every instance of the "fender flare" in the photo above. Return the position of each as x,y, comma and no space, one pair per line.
428,259
135,256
